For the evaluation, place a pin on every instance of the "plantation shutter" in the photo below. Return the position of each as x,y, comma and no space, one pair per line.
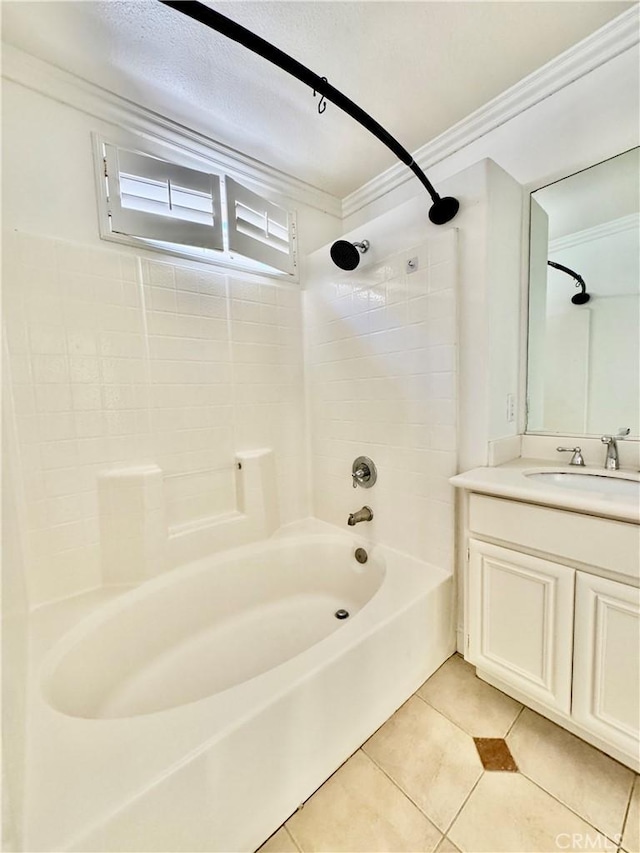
259,229
156,200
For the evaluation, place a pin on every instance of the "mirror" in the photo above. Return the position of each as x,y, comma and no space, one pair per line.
584,350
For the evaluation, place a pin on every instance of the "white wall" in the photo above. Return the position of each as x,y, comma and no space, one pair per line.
116,361
381,362
592,118
118,357
589,120
49,172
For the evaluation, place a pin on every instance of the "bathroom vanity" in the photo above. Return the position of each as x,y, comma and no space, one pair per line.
552,605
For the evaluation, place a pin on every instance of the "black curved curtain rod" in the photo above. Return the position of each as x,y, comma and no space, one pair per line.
577,276
442,210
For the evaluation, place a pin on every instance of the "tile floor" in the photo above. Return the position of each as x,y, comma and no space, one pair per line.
418,784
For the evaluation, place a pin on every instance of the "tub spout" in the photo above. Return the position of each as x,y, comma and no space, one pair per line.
364,514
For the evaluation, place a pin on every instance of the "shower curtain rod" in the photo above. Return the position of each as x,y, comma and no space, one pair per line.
443,209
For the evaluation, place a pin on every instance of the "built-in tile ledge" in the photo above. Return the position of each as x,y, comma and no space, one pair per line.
256,515
132,523
135,541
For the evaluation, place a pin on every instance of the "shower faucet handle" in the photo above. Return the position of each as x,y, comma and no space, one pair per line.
363,472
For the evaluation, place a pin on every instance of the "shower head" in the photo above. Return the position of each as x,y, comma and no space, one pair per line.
580,298
443,210
347,255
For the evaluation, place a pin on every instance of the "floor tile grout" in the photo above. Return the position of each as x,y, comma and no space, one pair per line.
517,717
635,781
464,803
566,806
289,833
402,791
447,717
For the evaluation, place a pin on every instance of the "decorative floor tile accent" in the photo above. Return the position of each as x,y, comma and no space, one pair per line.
495,754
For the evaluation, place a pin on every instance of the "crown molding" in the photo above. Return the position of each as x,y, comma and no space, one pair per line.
66,88
597,232
605,44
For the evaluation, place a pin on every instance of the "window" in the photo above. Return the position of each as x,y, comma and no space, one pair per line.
210,217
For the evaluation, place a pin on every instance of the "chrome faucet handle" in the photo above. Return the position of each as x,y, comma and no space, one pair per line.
360,476
577,458
363,472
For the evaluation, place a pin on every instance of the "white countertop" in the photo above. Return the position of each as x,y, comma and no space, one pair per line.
510,481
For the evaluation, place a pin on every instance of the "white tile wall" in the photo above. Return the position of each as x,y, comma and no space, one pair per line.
118,360
382,382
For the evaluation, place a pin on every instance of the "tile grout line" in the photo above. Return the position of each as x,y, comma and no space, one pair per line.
433,707
288,831
403,792
517,717
566,806
291,835
464,803
634,782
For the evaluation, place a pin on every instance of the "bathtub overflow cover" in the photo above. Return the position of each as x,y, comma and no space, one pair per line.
342,614
361,555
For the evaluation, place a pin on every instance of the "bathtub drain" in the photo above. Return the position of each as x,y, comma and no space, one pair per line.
341,614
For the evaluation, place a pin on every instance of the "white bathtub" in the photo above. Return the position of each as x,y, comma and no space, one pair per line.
197,711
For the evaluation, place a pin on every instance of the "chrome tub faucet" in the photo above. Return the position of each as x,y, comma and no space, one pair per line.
364,514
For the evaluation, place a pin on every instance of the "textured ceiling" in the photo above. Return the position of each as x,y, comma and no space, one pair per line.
416,67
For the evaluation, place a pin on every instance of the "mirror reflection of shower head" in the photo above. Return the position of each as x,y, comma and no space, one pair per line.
347,255
580,298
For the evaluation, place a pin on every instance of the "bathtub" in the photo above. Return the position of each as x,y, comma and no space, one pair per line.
198,710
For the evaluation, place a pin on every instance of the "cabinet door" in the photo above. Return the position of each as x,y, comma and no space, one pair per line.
606,674
520,612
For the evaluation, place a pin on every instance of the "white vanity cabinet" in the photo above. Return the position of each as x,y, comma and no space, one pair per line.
547,623
606,667
521,621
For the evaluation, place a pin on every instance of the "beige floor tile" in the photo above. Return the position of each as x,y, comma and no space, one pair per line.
471,703
280,842
506,813
446,846
430,758
580,776
631,837
359,810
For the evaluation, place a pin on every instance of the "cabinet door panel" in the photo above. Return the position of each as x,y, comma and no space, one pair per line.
606,687
520,611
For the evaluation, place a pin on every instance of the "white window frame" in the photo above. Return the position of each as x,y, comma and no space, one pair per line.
234,255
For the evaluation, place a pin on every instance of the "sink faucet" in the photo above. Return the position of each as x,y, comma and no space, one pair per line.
364,514
612,462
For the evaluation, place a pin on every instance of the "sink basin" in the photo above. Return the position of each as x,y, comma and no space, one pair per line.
589,482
